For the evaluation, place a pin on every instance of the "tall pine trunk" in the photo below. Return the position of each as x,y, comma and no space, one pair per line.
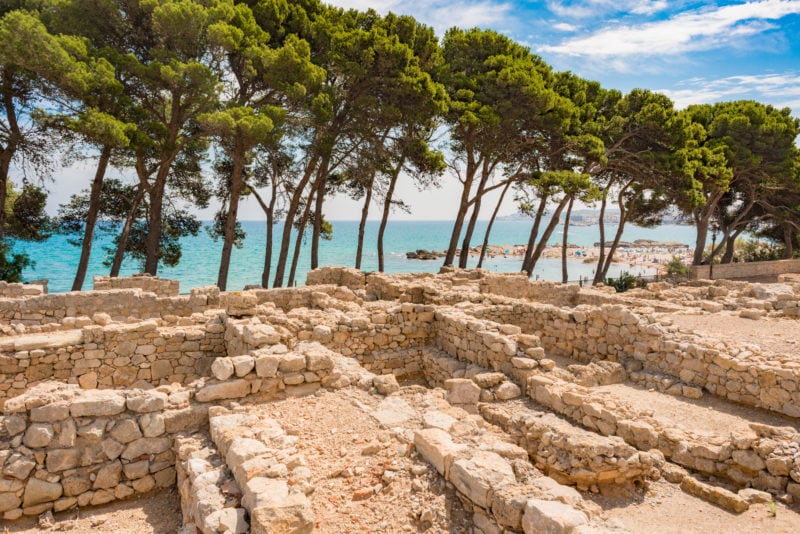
230,221
387,206
473,220
122,241
548,231
529,249
491,223
565,242
601,257
91,217
363,222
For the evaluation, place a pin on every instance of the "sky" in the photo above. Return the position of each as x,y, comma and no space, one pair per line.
692,51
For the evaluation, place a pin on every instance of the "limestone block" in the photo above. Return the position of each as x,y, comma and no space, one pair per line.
189,418
550,517
524,363
318,360
38,435
508,505
98,403
152,424
76,485
160,369
242,364
112,448
488,380
267,365
18,466
9,501
50,413
39,491
507,390
146,401
478,476
15,424
292,362
293,514
145,446
136,469
748,459
234,389
222,368
126,430
462,391
438,448
720,496
108,476
437,419
257,335
61,460
386,384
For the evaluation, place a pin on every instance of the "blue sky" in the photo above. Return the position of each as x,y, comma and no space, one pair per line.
692,51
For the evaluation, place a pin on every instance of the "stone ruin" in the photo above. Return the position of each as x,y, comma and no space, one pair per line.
513,391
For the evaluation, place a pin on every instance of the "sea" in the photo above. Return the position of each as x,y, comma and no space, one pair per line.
56,259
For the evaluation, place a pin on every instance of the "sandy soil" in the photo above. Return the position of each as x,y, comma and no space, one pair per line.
156,513
772,334
705,415
665,509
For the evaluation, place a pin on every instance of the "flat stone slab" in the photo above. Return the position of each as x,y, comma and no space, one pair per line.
393,411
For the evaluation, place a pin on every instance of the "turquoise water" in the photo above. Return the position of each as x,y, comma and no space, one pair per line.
56,259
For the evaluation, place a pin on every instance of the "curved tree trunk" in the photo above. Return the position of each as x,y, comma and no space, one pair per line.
318,184
463,206
319,200
363,223
537,221
91,217
268,212
387,206
122,242
291,212
564,242
548,231
623,218
601,256
491,223
476,211
7,154
230,220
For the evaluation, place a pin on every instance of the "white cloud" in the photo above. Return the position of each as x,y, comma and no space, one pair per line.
780,90
686,32
440,14
564,27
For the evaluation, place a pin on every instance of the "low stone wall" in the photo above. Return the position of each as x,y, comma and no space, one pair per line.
153,284
732,271
56,311
611,332
15,291
61,446
113,356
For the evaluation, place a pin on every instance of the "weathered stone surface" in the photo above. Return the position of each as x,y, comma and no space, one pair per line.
267,365
234,389
550,517
462,391
507,390
393,411
49,413
9,501
488,380
222,368
437,419
720,496
18,466
152,425
438,448
478,476
108,476
98,403
39,491
292,362
190,418
61,459
292,515
145,446
126,431
15,424
386,384
38,435
146,401
242,364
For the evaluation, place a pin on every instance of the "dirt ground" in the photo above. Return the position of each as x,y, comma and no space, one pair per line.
156,513
773,334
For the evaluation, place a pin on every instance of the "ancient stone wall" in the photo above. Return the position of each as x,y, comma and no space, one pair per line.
160,286
732,271
113,356
611,332
59,311
15,291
